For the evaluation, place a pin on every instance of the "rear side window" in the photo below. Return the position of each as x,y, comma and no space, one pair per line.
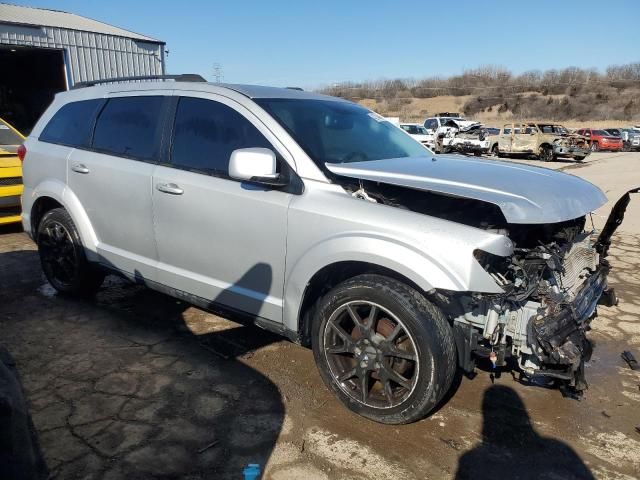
71,125
205,134
129,127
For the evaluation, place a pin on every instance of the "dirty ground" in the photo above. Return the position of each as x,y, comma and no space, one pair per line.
136,384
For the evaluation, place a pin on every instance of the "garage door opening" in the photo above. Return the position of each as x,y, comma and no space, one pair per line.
29,79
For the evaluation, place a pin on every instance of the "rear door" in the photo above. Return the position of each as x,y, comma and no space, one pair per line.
112,180
219,239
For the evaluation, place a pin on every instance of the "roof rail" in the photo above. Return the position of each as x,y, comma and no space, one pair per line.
185,77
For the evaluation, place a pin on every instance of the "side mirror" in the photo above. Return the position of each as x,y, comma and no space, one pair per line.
256,165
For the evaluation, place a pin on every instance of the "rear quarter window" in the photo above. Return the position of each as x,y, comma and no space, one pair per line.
72,124
130,127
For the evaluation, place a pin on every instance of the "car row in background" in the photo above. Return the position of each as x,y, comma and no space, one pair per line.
600,139
10,173
630,137
451,132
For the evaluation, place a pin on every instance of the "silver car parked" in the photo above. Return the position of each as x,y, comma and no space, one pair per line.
320,220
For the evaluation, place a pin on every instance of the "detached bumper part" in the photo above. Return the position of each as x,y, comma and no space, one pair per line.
560,339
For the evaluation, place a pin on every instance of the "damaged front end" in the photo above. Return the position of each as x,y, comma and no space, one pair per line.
552,285
467,139
571,145
552,282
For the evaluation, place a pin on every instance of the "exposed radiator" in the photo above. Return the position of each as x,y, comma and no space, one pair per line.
578,262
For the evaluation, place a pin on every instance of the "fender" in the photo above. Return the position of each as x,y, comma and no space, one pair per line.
61,193
404,259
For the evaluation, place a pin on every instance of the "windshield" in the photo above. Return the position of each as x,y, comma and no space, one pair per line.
414,129
602,133
8,136
339,132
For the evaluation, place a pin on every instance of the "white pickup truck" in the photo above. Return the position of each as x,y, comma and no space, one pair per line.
451,132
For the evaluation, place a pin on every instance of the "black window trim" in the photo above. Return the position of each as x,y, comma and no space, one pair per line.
94,118
159,133
295,186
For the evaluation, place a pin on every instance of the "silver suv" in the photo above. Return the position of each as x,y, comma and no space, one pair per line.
320,220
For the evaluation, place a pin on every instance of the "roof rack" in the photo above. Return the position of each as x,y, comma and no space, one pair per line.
185,77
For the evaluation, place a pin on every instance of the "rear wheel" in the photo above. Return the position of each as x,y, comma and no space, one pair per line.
62,255
546,154
383,348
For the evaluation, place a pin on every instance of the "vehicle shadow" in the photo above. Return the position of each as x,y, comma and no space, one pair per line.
137,384
511,448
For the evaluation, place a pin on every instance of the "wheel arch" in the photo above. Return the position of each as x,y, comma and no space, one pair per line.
331,275
55,194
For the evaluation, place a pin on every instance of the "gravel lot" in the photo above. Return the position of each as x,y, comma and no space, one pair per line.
136,384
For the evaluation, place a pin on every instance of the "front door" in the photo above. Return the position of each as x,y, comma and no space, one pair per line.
219,239
113,181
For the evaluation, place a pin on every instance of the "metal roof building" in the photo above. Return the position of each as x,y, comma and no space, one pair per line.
44,51
93,50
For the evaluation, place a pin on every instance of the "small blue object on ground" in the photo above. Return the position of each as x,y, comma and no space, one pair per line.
251,472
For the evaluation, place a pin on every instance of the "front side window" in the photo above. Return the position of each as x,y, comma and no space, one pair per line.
339,132
205,134
130,127
71,125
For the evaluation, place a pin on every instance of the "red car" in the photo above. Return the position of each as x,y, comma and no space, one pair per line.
600,140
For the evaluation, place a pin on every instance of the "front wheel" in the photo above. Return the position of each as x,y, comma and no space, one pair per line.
595,147
579,159
546,154
62,255
383,348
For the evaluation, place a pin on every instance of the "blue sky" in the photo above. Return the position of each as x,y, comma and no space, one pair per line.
314,43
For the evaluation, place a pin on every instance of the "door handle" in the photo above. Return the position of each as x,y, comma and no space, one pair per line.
170,188
80,168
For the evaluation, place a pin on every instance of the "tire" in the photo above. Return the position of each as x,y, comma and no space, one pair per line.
406,363
626,147
494,150
546,154
595,147
579,159
62,256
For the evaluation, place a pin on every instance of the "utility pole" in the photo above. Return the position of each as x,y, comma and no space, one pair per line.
218,74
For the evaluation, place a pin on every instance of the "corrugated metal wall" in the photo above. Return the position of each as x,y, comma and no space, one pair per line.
90,56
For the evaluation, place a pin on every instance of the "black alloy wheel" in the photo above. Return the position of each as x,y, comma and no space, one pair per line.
62,255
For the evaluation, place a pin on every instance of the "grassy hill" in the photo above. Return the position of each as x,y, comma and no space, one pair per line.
573,96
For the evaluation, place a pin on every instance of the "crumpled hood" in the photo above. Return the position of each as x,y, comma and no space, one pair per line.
525,194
